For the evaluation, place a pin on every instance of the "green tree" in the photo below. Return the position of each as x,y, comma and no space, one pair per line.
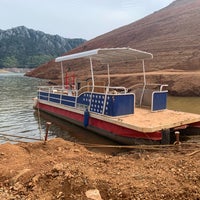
10,61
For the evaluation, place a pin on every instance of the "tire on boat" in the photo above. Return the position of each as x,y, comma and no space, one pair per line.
166,136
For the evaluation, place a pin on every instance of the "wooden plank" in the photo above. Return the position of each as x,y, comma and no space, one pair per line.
146,121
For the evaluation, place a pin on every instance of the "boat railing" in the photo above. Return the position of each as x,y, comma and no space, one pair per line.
103,89
88,88
58,94
154,86
66,89
150,95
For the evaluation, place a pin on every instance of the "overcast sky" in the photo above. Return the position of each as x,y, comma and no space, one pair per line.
75,18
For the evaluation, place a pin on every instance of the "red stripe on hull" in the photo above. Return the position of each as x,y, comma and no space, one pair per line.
197,125
100,124
123,131
61,112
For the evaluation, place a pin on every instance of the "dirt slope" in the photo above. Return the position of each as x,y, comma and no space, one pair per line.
171,34
63,170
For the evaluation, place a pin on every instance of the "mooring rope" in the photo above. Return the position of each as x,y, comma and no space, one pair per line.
181,147
143,147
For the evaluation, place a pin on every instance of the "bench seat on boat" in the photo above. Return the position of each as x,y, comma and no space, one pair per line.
155,99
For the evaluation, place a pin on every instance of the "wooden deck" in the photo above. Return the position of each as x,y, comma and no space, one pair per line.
146,121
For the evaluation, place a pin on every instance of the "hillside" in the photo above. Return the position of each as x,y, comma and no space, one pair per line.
26,48
171,34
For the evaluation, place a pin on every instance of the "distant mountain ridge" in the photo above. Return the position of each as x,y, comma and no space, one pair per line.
26,48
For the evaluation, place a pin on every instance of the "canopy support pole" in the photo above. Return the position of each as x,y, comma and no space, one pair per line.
144,86
108,67
92,74
144,74
62,73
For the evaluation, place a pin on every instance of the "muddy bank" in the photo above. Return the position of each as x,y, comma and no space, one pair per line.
64,170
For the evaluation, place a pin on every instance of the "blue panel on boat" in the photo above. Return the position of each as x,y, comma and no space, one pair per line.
68,103
159,101
117,105
69,98
109,105
43,96
54,98
43,93
97,103
57,98
84,99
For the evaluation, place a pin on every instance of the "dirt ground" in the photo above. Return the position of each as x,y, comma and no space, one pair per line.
61,169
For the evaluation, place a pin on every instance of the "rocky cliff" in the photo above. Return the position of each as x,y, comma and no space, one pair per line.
171,34
23,47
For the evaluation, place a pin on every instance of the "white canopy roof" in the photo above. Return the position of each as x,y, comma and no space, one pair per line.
109,55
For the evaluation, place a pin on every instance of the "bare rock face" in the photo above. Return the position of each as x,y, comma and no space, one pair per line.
171,34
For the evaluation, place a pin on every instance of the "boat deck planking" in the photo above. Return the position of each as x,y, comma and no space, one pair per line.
146,121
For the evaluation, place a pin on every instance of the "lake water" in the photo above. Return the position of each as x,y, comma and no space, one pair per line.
17,116
186,104
16,113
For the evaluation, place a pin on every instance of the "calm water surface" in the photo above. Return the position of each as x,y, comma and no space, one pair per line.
16,113
186,104
17,116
